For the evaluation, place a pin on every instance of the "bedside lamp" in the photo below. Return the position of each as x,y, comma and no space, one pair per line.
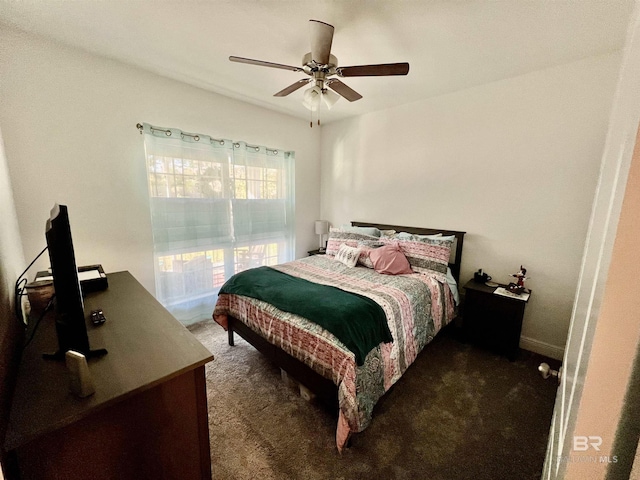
322,228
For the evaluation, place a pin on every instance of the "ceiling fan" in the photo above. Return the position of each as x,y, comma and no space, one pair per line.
320,65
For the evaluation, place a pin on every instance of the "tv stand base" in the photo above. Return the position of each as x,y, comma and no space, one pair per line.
60,355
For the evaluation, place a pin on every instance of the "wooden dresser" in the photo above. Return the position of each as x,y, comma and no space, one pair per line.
148,416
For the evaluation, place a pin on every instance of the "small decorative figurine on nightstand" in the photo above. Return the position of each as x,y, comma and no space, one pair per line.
519,286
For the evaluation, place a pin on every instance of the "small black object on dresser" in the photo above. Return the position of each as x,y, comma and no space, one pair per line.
97,317
492,320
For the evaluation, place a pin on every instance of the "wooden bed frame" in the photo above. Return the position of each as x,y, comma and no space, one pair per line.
324,389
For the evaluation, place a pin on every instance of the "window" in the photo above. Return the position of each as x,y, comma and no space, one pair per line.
217,207
181,177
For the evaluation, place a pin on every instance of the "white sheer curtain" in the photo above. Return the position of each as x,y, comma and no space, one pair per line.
217,207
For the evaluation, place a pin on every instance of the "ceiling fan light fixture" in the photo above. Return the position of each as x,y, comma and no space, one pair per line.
329,98
311,99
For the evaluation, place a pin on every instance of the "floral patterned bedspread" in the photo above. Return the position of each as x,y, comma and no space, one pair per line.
417,306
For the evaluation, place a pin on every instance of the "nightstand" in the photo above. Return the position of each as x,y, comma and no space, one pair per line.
316,252
492,320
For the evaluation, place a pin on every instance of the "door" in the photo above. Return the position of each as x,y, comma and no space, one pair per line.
623,127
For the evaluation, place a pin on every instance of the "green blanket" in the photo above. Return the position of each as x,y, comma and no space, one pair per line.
357,321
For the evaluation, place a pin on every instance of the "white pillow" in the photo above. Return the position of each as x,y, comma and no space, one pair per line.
348,255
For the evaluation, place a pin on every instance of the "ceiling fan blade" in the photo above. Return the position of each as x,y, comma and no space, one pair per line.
261,63
292,88
321,37
374,70
347,92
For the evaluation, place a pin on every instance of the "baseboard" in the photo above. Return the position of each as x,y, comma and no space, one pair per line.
543,348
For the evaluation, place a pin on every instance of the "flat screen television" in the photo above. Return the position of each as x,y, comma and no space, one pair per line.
71,327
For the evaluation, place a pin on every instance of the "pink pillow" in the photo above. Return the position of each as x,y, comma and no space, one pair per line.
390,260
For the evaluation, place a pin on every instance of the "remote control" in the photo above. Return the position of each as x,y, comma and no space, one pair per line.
97,317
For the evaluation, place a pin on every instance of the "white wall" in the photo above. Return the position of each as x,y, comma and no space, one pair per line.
513,163
11,265
11,255
68,119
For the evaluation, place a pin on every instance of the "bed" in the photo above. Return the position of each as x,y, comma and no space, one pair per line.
416,306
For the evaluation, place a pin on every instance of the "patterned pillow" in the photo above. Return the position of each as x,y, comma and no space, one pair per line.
339,237
366,247
412,236
425,255
373,231
348,255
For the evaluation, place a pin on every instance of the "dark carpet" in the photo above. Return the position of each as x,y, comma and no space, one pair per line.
458,413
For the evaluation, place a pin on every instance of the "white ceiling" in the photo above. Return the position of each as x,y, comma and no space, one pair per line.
450,45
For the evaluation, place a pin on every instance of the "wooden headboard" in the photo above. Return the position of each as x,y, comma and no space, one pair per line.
457,244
